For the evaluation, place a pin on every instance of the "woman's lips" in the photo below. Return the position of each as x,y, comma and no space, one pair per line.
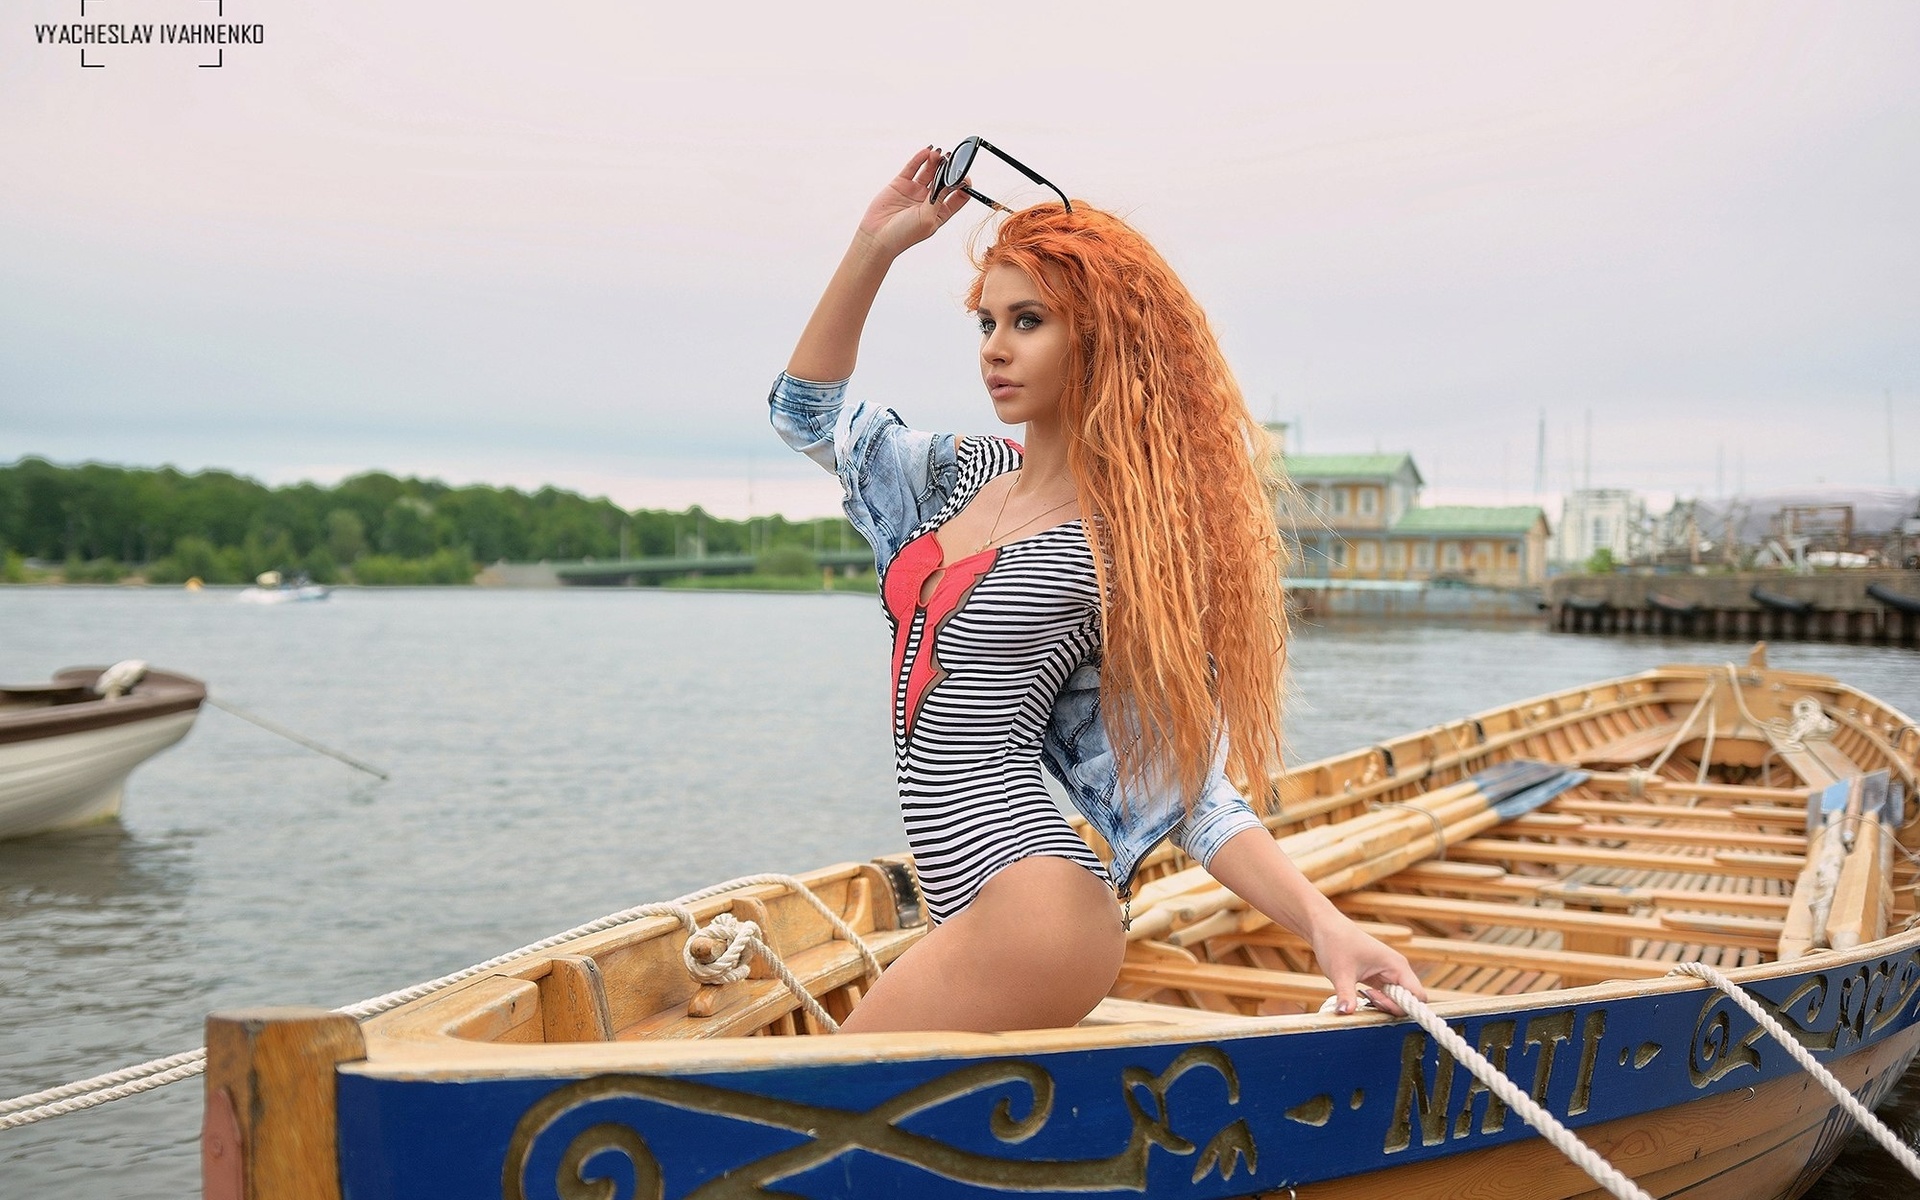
1000,389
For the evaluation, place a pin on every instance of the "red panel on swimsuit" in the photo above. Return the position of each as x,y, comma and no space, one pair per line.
906,579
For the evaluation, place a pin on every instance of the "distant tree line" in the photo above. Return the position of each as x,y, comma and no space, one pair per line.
100,523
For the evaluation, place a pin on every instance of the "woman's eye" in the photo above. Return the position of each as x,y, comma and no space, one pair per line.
986,326
1026,321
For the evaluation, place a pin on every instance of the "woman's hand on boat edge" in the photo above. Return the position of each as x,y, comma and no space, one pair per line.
1254,867
1351,959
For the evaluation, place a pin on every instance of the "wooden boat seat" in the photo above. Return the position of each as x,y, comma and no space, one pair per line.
1663,899
1736,816
1608,929
1238,983
1724,862
1574,966
1115,1011
1247,983
1674,829
1629,749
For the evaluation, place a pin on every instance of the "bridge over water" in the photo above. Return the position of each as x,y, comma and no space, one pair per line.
631,572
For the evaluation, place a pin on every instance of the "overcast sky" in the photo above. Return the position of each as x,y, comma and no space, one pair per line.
573,244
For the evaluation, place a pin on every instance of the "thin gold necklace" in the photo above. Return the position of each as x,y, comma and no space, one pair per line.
993,534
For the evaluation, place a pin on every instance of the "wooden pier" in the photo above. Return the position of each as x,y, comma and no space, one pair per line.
1879,607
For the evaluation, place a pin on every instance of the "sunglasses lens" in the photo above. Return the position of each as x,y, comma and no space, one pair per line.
958,163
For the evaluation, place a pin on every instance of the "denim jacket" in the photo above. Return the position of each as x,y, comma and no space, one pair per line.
895,479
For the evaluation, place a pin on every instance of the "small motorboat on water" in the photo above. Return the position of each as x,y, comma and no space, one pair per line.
1544,865
269,587
68,745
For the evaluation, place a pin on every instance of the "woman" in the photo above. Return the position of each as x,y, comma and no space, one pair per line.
1101,597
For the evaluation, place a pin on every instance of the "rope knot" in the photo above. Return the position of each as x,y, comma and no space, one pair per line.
1809,723
714,955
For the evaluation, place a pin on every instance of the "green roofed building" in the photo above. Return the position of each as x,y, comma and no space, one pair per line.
1360,517
1505,546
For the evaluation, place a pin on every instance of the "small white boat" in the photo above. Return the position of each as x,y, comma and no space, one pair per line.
67,746
270,588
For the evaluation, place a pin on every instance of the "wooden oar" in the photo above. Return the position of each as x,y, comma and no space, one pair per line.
1330,847
1826,809
1355,853
1863,896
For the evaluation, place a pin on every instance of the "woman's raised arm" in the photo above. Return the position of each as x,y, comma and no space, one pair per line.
899,217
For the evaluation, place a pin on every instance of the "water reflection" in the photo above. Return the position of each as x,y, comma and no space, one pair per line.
94,865
93,930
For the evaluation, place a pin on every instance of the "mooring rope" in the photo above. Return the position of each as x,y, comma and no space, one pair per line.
296,738
738,939
1516,1098
145,1077
1862,1116
741,938
1586,1157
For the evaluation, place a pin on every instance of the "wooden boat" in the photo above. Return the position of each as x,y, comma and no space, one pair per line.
68,745
1709,821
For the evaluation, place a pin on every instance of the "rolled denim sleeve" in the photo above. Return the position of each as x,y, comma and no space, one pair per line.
892,478
1219,813
804,414
1076,749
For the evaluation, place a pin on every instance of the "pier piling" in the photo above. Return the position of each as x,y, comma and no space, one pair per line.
1866,607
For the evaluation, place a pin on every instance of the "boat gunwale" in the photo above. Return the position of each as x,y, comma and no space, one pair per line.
159,693
400,1055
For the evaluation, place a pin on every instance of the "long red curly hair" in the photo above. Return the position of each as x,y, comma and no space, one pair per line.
1178,479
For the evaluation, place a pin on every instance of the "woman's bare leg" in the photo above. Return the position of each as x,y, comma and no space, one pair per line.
1038,948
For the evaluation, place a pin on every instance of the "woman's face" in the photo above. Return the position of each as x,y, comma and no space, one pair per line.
1023,347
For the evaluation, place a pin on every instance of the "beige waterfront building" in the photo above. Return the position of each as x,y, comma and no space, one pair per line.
1361,518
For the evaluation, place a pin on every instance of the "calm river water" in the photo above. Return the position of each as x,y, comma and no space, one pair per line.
555,756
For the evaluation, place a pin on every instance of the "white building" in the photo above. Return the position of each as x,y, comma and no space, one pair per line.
1612,519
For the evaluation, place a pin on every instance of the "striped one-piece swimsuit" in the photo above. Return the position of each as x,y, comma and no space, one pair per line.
978,661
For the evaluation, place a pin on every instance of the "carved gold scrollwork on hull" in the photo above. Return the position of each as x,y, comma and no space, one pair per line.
572,1181
1714,1051
834,1131
1864,998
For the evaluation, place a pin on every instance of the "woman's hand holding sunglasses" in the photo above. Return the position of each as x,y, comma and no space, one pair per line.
901,215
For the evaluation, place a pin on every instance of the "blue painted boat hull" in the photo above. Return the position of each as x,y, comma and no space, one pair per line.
1255,1105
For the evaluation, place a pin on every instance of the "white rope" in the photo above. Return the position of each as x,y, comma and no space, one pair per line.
742,938
1902,1153
1439,829
1706,760
1810,722
1584,1156
1740,700
1563,1139
86,1093
144,1077
724,965
1686,726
